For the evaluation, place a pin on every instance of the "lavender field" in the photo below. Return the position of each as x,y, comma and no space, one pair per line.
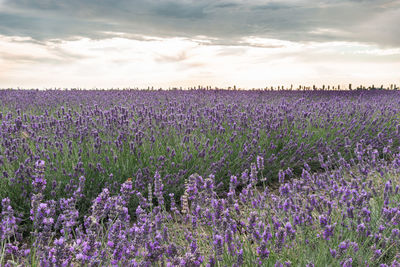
199,178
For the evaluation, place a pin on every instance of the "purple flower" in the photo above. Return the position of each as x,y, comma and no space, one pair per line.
260,163
343,246
240,259
280,236
263,251
361,229
347,263
323,220
8,222
39,182
377,253
328,231
333,252
218,245
158,188
281,177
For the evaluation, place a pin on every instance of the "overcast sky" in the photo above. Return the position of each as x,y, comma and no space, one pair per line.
137,43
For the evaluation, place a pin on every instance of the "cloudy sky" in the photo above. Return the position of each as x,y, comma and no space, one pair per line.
248,43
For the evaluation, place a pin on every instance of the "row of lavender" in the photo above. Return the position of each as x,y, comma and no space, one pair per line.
349,216
110,136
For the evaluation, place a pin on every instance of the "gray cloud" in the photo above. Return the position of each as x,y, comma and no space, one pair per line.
180,11
181,56
17,58
301,21
272,6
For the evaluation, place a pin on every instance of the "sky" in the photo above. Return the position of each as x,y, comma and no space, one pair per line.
186,43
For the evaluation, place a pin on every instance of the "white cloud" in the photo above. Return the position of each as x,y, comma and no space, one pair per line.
169,62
